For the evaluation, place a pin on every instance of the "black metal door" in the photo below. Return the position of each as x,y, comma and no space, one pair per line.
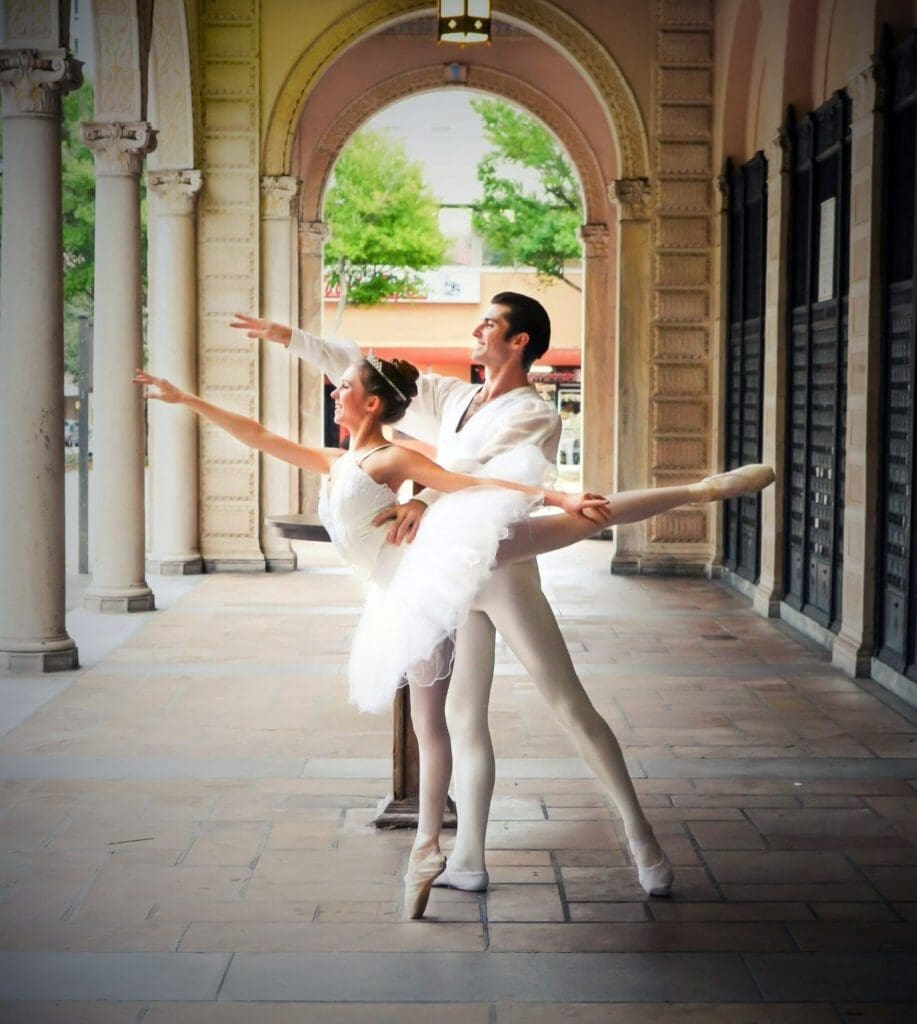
817,351
897,606
746,248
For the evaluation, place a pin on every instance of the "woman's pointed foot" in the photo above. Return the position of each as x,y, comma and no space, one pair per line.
733,484
655,879
467,881
418,881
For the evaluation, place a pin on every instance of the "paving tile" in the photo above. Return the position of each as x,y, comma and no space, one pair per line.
894,883
726,835
671,910
524,903
865,936
591,884
70,1012
878,977
310,1013
640,937
764,867
872,1013
586,912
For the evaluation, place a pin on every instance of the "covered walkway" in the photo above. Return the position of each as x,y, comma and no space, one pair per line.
185,824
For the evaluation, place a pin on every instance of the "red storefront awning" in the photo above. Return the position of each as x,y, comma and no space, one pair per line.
430,355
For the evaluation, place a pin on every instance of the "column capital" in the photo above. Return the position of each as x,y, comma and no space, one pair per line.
632,196
34,81
279,193
778,153
868,88
119,147
174,192
312,237
595,240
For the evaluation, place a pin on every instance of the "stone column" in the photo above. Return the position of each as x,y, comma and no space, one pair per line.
173,455
279,483
633,359
117,506
598,364
312,237
769,591
854,645
33,636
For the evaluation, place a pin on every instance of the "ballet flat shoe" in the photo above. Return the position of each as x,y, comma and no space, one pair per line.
656,879
418,881
470,881
733,484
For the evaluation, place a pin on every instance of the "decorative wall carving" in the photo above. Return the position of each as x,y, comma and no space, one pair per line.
868,89
119,148
625,118
34,81
170,84
30,20
120,61
633,197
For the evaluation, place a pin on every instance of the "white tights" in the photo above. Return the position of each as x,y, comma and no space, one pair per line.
513,603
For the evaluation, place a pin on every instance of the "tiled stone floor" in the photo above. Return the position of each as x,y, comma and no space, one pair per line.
185,825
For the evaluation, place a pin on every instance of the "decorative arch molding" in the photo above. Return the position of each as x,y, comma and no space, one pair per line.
541,17
171,95
426,79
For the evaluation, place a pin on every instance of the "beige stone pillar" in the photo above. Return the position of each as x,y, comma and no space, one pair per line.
633,359
33,636
854,645
598,364
312,237
173,456
279,483
117,505
769,590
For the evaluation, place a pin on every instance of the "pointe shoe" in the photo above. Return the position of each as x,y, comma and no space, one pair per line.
469,881
656,879
418,881
733,484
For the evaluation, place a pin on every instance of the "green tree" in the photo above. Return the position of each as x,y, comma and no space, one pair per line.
535,225
384,223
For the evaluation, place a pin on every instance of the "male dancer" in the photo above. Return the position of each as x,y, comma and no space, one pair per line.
469,425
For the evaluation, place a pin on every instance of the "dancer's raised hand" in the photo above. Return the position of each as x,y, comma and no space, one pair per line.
167,391
258,327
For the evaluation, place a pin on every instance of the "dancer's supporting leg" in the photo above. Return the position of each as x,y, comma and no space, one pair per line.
435,758
466,712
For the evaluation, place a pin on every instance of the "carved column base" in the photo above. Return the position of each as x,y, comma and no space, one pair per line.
53,656
115,601
230,564
393,813
189,565
850,655
280,563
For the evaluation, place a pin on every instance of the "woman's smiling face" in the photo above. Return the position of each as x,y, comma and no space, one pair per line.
350,399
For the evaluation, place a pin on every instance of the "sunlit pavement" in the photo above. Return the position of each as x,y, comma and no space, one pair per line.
186,834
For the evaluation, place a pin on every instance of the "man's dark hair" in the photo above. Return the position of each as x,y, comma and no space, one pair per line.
526,314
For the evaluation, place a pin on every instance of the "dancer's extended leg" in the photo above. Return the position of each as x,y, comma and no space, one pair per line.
539,534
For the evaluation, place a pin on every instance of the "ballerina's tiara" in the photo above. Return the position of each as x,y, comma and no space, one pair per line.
376,363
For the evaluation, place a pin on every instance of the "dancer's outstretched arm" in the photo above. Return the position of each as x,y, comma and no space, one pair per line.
403,464
250,432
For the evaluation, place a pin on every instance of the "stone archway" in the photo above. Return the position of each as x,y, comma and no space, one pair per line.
600,341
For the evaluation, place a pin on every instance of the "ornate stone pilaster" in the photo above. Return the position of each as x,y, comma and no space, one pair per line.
313,234
598,361
33,634
117,509
769,590
279,482
174,543
855,642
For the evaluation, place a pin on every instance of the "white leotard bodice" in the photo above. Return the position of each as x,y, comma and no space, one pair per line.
350,500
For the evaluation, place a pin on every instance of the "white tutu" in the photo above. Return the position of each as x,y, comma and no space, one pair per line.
420,593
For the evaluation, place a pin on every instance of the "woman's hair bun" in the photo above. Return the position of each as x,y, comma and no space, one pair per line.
407,371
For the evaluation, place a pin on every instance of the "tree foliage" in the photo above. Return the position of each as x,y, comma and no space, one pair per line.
533,225
384,223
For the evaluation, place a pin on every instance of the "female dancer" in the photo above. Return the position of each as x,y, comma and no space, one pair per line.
418,595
